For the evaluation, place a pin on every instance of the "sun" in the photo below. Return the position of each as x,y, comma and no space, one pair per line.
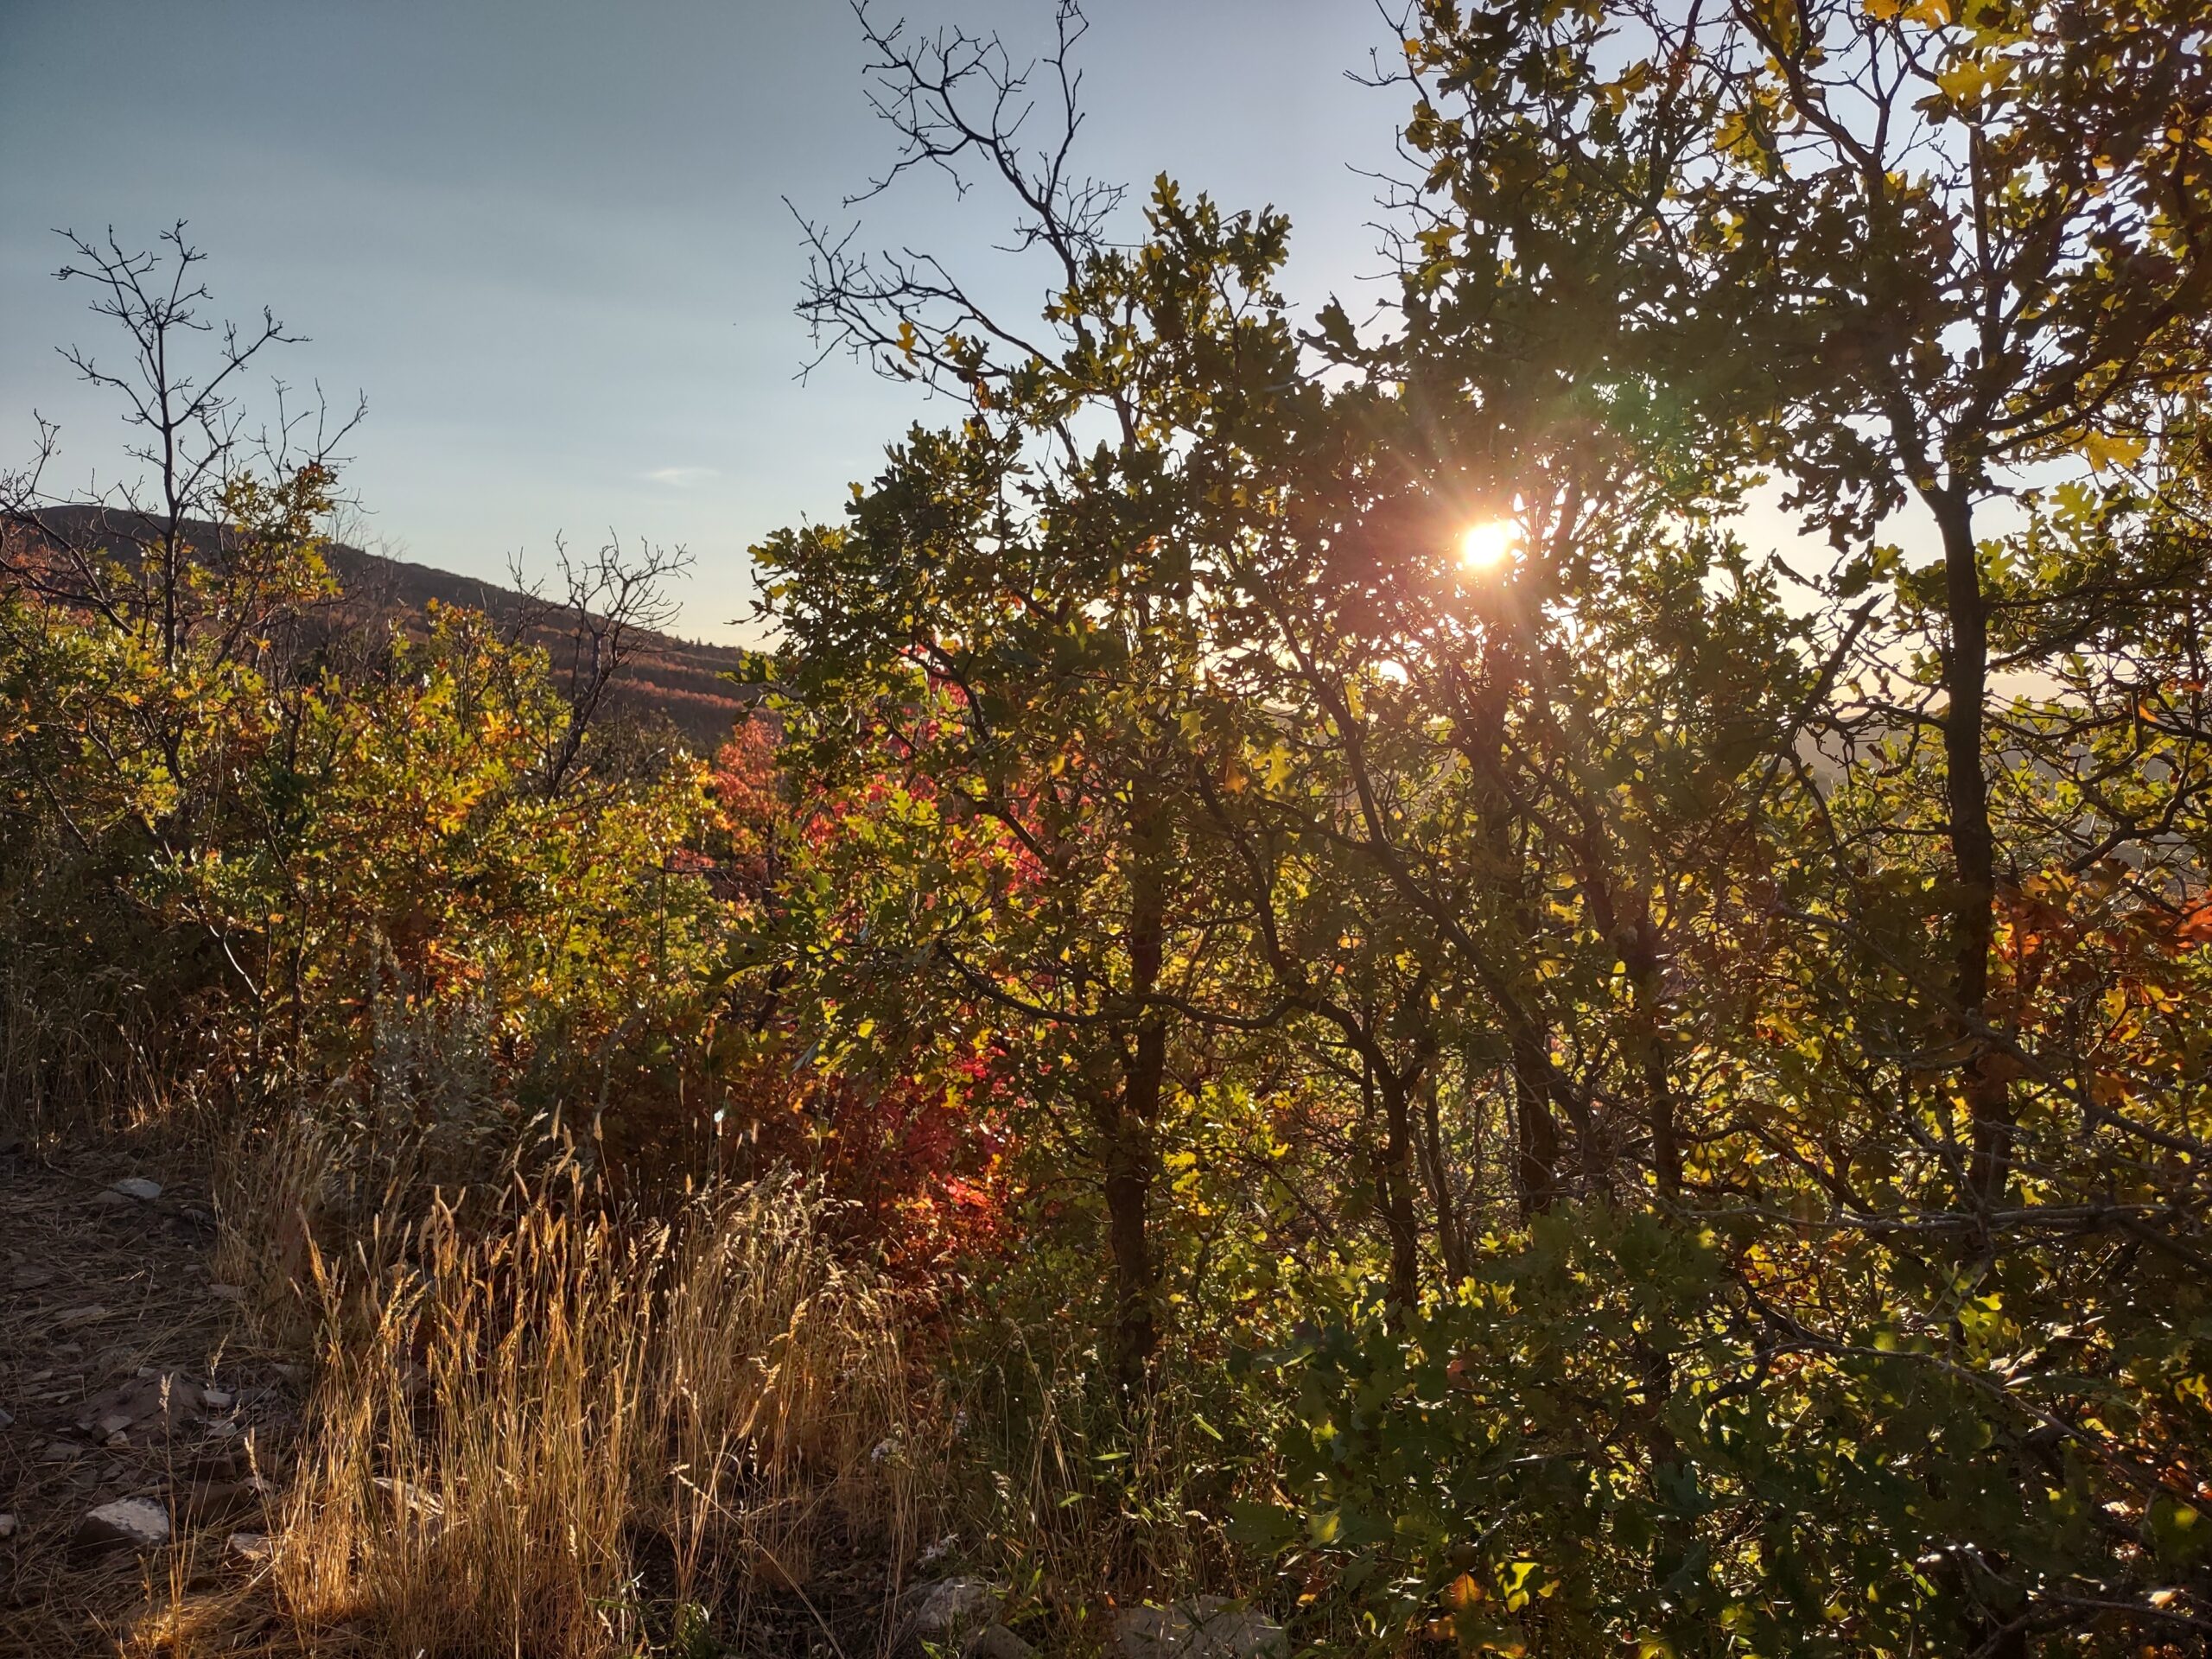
1486,545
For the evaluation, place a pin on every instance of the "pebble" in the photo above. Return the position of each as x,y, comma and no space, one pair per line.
132,1522
7,1526
138,1187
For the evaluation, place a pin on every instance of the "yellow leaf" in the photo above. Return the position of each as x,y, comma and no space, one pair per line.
1969,81
2105,450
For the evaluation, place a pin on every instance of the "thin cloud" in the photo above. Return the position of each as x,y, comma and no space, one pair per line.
682,478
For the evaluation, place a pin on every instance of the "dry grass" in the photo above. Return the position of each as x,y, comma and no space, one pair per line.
77,1059
583,1435
534,1425
539,1427
528,1431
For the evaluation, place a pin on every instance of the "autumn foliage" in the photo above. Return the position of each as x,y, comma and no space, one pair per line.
1530,975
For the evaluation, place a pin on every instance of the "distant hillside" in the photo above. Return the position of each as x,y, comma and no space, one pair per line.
680,679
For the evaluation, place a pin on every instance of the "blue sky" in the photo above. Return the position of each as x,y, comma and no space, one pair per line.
548,240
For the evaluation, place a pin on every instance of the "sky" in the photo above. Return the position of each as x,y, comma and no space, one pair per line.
547,240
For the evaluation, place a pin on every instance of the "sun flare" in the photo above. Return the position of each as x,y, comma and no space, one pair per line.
1486,545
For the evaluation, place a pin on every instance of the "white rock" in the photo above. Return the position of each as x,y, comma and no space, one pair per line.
216,1399
952,1605
250,1546
129,1523
138,1187
7,1526
1207,1627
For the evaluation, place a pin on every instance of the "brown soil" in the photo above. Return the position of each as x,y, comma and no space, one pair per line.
126,1370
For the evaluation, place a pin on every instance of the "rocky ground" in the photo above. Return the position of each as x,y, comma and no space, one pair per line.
140,1432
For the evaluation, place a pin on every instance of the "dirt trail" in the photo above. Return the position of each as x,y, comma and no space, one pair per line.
123,1375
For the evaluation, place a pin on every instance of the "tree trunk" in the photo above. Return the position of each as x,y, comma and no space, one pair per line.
1130,1160
1640,956
1535,1138
1966,683
1536,1141
1397,1184
1449,1240
1130,1155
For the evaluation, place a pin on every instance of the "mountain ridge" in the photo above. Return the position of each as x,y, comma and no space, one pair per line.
692,682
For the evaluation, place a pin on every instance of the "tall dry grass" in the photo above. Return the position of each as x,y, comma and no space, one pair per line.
80,1056
579,1434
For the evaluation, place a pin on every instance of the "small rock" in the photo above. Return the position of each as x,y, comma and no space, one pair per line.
227,1293
7,1526
117,1438
216,1399
59,1451
1208,1627
951,1607
250,1546
138,1187
996,1642
127,1523
165,1398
